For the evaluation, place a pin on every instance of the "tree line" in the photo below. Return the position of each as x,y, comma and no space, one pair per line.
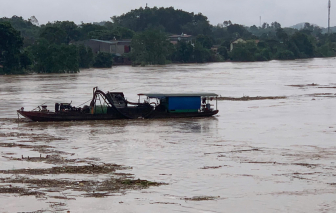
26,46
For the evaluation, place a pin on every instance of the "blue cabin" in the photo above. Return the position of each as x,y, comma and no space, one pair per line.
181,102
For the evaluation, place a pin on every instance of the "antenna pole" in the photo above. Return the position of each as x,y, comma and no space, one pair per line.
329,6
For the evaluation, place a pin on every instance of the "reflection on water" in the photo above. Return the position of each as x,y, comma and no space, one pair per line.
270,155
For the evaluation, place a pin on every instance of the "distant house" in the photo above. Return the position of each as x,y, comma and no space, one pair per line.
240,40
183,37
115,47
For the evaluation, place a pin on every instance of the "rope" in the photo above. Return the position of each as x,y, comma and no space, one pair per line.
38,106
85,102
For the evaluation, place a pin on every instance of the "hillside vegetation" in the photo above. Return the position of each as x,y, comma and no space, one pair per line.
26,46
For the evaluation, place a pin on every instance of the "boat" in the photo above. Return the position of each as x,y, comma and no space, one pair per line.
114,105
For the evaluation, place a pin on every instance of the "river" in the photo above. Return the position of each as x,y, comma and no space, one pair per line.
274,155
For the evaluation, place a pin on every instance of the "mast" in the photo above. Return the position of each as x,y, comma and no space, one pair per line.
329,6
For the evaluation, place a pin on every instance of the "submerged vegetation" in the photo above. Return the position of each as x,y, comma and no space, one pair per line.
67,176
26,46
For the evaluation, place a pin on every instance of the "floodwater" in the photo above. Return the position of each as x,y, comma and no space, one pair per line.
274,155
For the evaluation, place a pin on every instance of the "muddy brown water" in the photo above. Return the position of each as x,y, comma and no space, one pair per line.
268,155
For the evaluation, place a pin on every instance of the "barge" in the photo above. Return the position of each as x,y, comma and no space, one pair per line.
114,105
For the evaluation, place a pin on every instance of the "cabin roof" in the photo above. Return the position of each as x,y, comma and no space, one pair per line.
161,95
102,41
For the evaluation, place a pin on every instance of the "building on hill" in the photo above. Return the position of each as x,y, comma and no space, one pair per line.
183,37
115,47
240,40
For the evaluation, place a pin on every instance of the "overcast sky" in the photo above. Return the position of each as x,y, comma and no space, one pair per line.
246,12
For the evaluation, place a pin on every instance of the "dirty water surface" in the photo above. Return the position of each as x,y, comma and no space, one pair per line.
270,149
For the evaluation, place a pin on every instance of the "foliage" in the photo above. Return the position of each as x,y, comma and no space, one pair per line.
53,34
205,41
222,50
220,34
327,50
85,56
123,33
167,19
102,35
86,28
183,52
285,55
239,31
250,51
302,45
199,25
26,59
28,28
70,28
281,35
187,52
25,45
201,54
311,29
243,52
10,45
150,47
53,58
103,60
117,33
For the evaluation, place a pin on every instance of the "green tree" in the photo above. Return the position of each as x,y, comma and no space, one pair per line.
285,55
10,45
123,33
328,49
237,31
54,35
150,47
103,60
254,29
246,52
199,25
222,50
311,29
103,35
220,34
86,28
304,45
201,54
53,58
183,52
265,25
227,23
205,41
28,28
281,35
275,25
85,56
169,20
26,59
70,28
